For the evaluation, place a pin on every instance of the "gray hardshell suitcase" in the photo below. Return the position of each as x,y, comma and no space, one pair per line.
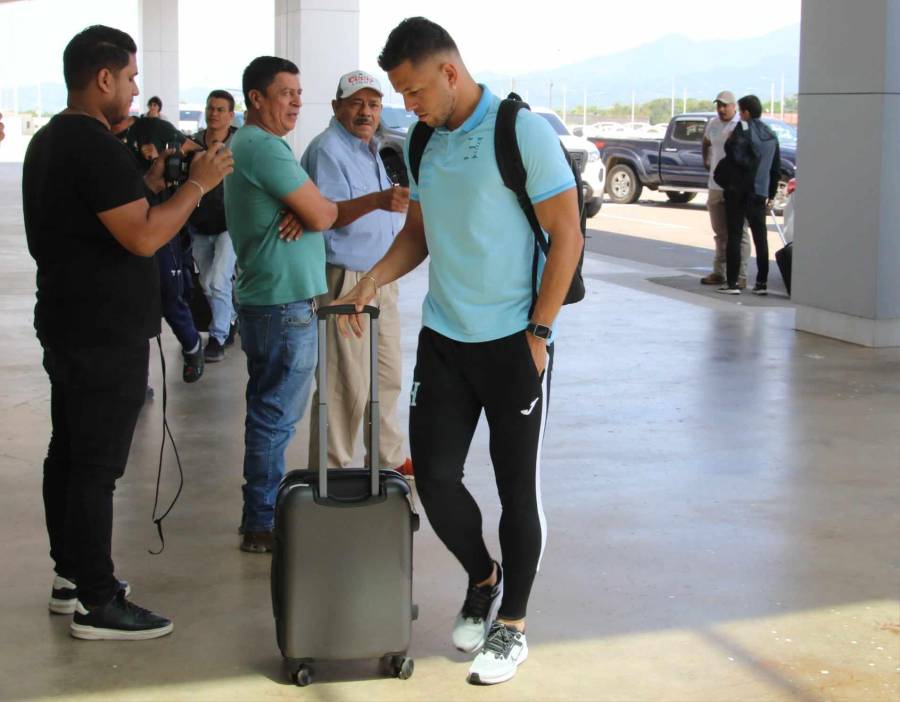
342,557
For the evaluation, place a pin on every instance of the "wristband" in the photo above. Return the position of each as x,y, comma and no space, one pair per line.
202,190
372,278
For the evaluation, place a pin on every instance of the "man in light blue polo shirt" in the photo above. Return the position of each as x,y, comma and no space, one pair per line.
483,346
344,163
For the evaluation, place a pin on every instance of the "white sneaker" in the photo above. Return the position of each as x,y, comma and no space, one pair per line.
477,613
504,651
64,594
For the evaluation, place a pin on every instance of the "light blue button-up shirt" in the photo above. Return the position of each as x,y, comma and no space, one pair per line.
344,167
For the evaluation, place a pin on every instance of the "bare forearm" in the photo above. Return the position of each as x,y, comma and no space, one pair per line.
408,251
351,210
165,220
557,277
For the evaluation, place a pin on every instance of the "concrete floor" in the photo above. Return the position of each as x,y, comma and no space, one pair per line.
722,495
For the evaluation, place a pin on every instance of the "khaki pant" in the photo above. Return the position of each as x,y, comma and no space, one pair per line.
719,221
348,380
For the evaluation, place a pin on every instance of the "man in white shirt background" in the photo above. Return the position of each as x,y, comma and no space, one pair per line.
718,129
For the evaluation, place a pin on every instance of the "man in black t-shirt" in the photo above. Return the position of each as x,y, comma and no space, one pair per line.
93,234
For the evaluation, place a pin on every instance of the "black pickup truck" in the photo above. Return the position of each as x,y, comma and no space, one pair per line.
674,164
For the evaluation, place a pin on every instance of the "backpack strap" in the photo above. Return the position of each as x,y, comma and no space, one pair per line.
417,143
509,162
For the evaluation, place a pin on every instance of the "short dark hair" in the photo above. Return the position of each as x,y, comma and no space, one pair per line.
262,70
414,39
222,95
751,104
155,101
92,50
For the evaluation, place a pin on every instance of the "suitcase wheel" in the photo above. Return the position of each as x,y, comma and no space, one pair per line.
415,522
399,666
302,676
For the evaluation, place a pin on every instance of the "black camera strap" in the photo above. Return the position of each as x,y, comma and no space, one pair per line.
166,432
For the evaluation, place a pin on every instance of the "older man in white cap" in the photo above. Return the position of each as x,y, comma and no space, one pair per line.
344,163
718,129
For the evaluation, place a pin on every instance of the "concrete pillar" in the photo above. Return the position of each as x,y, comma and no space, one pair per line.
322,38
847,233
158,54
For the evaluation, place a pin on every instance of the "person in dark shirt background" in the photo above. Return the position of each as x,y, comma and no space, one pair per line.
93,233
147,138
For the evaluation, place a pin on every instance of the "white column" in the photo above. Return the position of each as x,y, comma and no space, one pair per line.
847,239
322,38
158,54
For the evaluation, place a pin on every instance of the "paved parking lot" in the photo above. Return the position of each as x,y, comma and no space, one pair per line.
657,232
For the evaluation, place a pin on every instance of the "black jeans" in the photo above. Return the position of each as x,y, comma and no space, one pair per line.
452,383
752,207
96,395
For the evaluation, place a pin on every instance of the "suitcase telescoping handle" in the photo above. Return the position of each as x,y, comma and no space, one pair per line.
372,421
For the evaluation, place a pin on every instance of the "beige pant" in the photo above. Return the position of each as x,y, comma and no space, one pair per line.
716,206
348,380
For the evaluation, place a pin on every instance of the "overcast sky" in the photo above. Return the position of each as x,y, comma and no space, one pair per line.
217,38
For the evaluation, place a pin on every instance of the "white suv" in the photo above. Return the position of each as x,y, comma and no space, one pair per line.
586,156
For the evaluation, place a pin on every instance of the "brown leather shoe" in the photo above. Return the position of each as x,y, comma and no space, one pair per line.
713,279
742,283
257,542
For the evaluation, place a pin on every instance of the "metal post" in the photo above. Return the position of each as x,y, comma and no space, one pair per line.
322,409
584,115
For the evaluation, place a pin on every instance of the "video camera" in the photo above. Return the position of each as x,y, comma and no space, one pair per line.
178,164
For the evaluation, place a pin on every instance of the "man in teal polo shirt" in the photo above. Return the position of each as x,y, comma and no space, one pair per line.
281,272
479,348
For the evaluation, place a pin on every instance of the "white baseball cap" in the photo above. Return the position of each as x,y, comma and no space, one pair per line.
356,81
726,97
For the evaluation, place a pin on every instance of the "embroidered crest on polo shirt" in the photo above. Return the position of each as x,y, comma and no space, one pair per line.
473,145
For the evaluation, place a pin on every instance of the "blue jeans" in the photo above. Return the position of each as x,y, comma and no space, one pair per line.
281,346
215,259
174,283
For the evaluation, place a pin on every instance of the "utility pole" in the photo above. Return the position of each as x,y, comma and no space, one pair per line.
782,97
673,97
584,114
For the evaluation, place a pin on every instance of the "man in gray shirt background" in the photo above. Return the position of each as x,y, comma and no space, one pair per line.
344,163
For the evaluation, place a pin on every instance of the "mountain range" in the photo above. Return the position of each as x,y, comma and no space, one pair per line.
702,67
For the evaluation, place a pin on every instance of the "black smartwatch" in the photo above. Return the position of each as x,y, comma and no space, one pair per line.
539,330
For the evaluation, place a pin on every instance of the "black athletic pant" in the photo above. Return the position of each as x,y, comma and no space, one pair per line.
452,383
96,395
751,207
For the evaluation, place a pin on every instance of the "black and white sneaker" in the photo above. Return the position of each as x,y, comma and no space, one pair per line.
760,289
214,351
729,289
118,620
64,594
477,613
504,651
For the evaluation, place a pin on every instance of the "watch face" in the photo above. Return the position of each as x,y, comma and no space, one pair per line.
540,331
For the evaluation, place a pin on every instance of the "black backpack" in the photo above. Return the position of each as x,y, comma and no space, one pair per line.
512,170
